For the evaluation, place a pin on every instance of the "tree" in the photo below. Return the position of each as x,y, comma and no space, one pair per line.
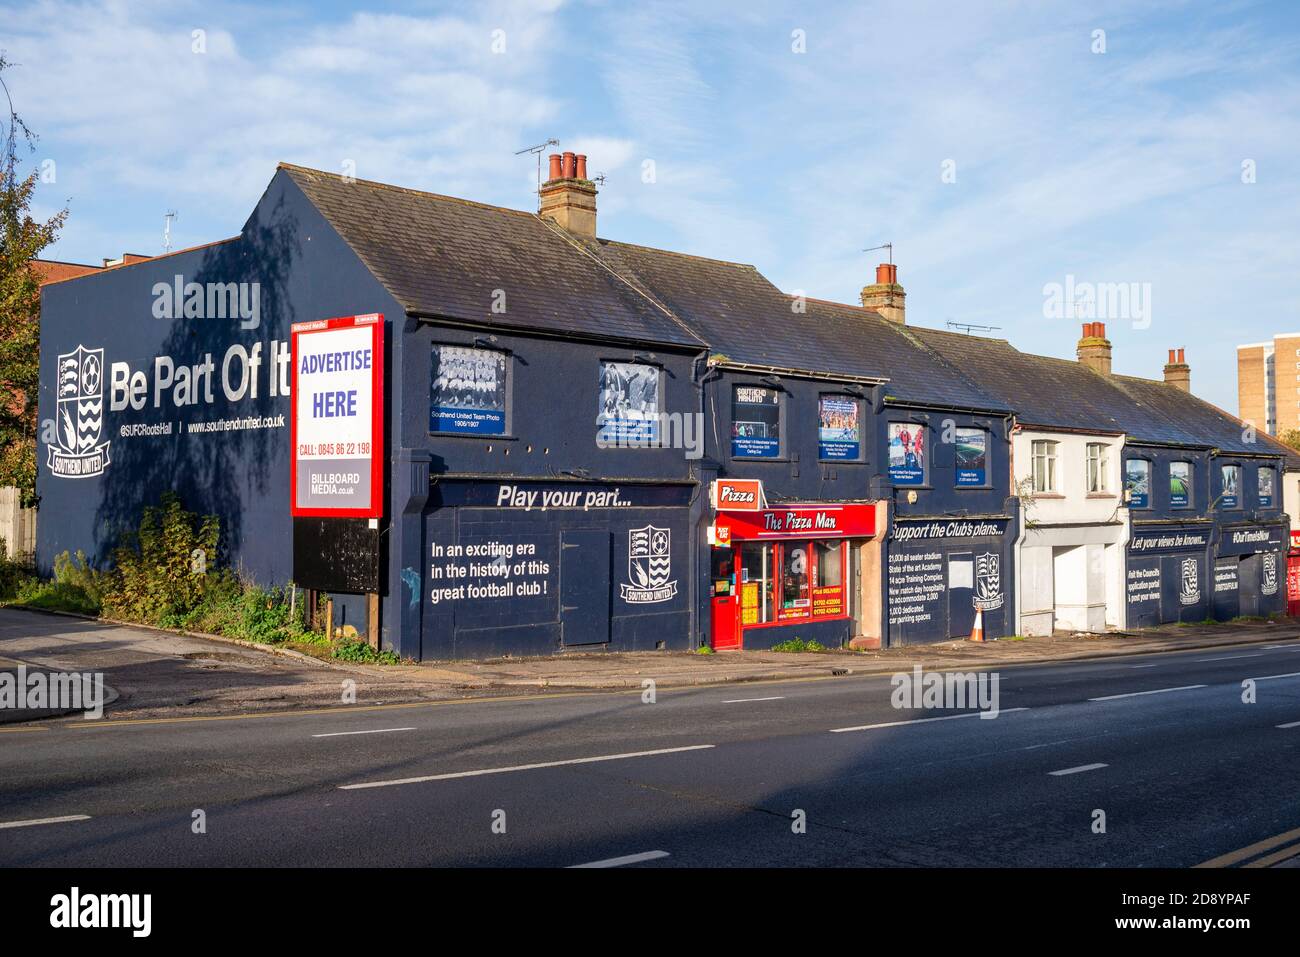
22,239
1290,438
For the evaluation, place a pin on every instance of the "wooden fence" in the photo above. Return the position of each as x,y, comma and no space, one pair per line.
17,524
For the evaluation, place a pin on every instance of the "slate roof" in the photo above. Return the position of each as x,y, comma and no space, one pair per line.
1043,391
444,257
1061,393
748,320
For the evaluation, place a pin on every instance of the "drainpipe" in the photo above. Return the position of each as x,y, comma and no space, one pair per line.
699,508
1021,531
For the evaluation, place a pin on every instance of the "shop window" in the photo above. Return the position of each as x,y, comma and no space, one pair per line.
1044,465
1230,481
839,428
1098,468
828,580
628,405
468,391
1180,484
795,599
972,447
1267,485
790,581
1137,482
755,422
907,453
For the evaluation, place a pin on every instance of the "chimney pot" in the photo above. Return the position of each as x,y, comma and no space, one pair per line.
567,202
1177,373
1092,353
886,296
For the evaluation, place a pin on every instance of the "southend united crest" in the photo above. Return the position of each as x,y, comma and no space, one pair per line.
1268,585
988,581
79,416
649,563
1189,587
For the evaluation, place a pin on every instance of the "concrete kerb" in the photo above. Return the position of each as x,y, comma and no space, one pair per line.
181,632
842,668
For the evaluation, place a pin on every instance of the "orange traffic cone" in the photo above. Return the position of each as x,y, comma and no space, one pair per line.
977,631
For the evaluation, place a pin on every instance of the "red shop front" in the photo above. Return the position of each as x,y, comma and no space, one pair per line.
776,568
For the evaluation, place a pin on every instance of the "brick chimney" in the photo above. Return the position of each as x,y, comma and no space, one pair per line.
885,295
1177,372
1094,347
568,197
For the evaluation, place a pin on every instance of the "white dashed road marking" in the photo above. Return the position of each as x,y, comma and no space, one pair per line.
1079,769
627,859
743,700
1136,694
900,724
46,820
523,767
340,734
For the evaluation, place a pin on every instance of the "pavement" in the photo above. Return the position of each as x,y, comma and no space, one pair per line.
1146,760
154,673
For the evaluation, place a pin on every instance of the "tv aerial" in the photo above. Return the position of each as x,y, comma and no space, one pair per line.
970,327
539,149
168,218
889,246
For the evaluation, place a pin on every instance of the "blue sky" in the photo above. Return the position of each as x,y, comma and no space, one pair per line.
1123,166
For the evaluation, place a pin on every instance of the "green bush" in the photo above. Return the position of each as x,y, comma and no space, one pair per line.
798,645
14,575
161,570
356,650
165,574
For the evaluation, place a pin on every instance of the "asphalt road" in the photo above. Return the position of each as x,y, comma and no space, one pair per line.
1183,770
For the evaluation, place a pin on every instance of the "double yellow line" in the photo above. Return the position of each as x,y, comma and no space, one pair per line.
1275,850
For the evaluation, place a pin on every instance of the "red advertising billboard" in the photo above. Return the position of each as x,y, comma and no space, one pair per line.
337,426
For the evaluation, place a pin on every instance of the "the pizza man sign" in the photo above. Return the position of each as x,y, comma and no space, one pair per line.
337,424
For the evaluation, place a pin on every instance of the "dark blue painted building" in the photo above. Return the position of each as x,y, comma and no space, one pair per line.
559,408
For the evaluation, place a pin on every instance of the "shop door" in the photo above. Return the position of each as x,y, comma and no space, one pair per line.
584,587
1227,601
1250,576
961,594
725,633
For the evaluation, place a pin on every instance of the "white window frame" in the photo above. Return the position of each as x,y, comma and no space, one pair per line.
1097,478
1043,462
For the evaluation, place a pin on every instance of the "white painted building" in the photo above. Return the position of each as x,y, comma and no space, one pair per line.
1074,527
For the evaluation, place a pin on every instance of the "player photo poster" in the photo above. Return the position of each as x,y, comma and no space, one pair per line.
468,391
907,453
839,433
627,407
